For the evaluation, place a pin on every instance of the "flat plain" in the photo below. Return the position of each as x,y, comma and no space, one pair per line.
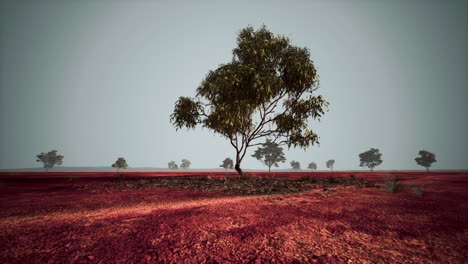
92,217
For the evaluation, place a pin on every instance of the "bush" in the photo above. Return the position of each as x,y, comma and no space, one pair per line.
204,178
120,177
418,189
332,180
392,185
308,179
12,174
73,178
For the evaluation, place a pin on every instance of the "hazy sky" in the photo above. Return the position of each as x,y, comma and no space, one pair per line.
97,80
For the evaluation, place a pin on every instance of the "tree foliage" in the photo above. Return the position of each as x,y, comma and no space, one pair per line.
50,159
121,163
270,154
266,90
425,159
295,165
370,158
227,164
330,164
172,165
185,164
312,166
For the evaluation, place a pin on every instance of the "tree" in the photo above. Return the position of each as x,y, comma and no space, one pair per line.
266,90
270,154
50,159
185,164
295,165
330,164
121,163
227,164
312,166
426,159
172,165
370,158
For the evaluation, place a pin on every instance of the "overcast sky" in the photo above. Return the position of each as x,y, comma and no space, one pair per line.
97,80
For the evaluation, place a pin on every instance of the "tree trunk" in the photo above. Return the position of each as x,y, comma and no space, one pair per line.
239,170
427,168
371,169
238,162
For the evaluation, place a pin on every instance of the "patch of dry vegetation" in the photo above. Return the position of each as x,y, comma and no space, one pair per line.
234,185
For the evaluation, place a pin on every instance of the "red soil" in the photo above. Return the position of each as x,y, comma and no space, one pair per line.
49,222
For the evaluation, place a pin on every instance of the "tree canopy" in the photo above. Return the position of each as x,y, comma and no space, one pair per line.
121,163
425,159
185,164
50,159
270,154
330,164
295,165
312,166
172,165
370,158
227,164
266,90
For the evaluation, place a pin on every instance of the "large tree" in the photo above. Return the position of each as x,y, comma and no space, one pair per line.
330,164
50,159
266,90
121,163
370,159
312,166
425,159
270,154
185,164
227,164
295,165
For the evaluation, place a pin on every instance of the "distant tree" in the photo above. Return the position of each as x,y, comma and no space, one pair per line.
227,164
172,165
50,159
312,166
370,158
426,159
295,165
330,164
266,90
121,163
270,154
185,164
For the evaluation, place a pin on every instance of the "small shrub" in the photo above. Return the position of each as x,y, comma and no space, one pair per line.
352,176
120,177
392,185
142,183
307,179
205,178
418,189
73,178
332,180
12,173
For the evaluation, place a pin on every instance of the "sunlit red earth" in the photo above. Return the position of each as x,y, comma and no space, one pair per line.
44,221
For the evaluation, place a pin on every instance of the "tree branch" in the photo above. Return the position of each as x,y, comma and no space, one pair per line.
266,111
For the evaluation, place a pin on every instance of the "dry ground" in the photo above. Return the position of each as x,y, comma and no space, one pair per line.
56,222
